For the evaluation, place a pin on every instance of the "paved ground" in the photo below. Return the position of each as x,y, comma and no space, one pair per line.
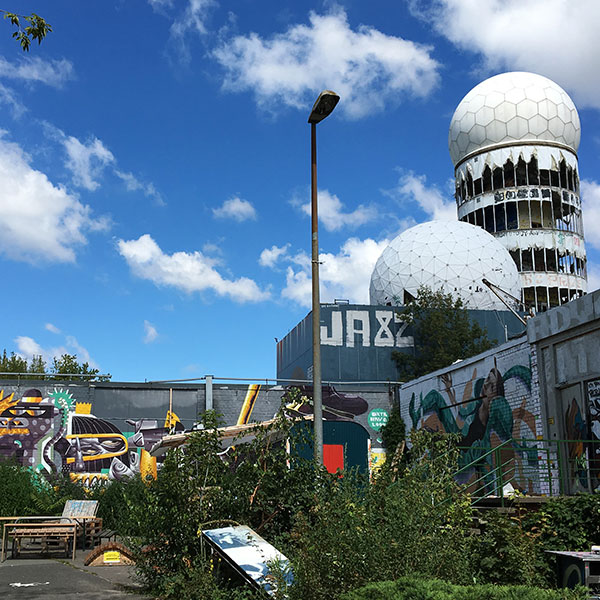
61,579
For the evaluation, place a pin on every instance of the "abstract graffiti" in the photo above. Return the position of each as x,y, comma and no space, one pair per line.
483,419
58,433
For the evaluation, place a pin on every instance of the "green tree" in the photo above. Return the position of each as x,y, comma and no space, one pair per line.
443,333
68,366
29,28
12,364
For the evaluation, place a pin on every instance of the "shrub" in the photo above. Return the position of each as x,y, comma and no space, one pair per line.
413,588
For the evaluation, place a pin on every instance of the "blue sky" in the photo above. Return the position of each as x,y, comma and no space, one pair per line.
154,162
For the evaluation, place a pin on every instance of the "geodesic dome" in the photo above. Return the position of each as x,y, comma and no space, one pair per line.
451,256
517,106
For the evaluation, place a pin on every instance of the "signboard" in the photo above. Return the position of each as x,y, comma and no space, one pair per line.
112,556
249,554
377,418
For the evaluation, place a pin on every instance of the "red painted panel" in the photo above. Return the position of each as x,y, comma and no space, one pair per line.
333,457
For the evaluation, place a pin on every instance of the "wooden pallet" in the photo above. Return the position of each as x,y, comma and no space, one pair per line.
48,533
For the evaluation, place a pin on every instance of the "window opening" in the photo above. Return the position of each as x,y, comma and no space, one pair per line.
546,214
536,214
570,178
487,179
509,174
524,214
551,260
544,177
500,217
521,172
542,298
527,260
477,186
489,219
538,257
563,174
516,256
554,182
469,185
511,215
532,171
479,217
553,296
498,180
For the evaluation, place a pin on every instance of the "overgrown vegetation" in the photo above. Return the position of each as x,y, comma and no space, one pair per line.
443,333
340,533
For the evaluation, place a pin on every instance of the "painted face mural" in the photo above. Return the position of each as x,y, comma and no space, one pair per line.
483,418
59,433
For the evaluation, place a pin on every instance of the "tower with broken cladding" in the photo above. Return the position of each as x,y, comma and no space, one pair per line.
514,140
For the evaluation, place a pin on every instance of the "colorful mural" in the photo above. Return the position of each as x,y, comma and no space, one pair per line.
59,433
593,395
484,419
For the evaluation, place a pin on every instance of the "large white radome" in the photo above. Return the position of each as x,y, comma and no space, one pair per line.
510,107
451,256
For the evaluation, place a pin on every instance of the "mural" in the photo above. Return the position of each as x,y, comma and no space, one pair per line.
58,433
575,430
593,394
484,419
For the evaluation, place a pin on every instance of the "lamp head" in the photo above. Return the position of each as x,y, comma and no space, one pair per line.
324,106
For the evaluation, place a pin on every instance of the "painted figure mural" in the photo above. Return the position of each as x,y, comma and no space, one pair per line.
483,418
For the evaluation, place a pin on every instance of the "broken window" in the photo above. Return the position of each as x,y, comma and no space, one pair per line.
498,179
527,259
521,172
562,262
576,181
487,179
500,217
554,181
477,188
511,215
558,223
570,178
509,174
532,171
479,217
516,256
524,214
544,177
529,297
541,294
564,295
553,296
551,260
489,219
563,173
546,214
469,186
539,260
536,214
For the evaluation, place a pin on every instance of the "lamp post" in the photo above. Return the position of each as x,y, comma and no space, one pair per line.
322,108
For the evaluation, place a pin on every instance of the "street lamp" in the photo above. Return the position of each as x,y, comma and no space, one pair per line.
322,108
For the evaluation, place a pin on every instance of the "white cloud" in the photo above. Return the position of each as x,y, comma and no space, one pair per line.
40,222
87,161
555,38
193,19
414,188
236,209
35,69
332,215
133,184
8,97
344,275
270,256
189,272
367,68
27,347
52,328
150,332
590,209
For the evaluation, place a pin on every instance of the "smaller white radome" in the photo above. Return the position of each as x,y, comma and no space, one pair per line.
509,107
450,256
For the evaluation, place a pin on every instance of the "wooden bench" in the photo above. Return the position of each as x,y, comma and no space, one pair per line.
47,531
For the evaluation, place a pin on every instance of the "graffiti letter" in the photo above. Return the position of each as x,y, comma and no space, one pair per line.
335,339
351,317
403,341
384,336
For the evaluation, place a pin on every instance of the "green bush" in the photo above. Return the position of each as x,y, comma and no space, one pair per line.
17,487
413,588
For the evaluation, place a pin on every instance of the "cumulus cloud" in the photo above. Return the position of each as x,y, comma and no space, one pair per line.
590,207
332,215
368,68
27,347
87,161
186,271
270,256
34,69
150,332
346,274
40,222
236,209
133,184
552,37
414,188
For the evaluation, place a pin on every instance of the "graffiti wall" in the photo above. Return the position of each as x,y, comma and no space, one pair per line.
105,431
487,401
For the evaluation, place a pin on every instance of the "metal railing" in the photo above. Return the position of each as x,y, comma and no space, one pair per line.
531,467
